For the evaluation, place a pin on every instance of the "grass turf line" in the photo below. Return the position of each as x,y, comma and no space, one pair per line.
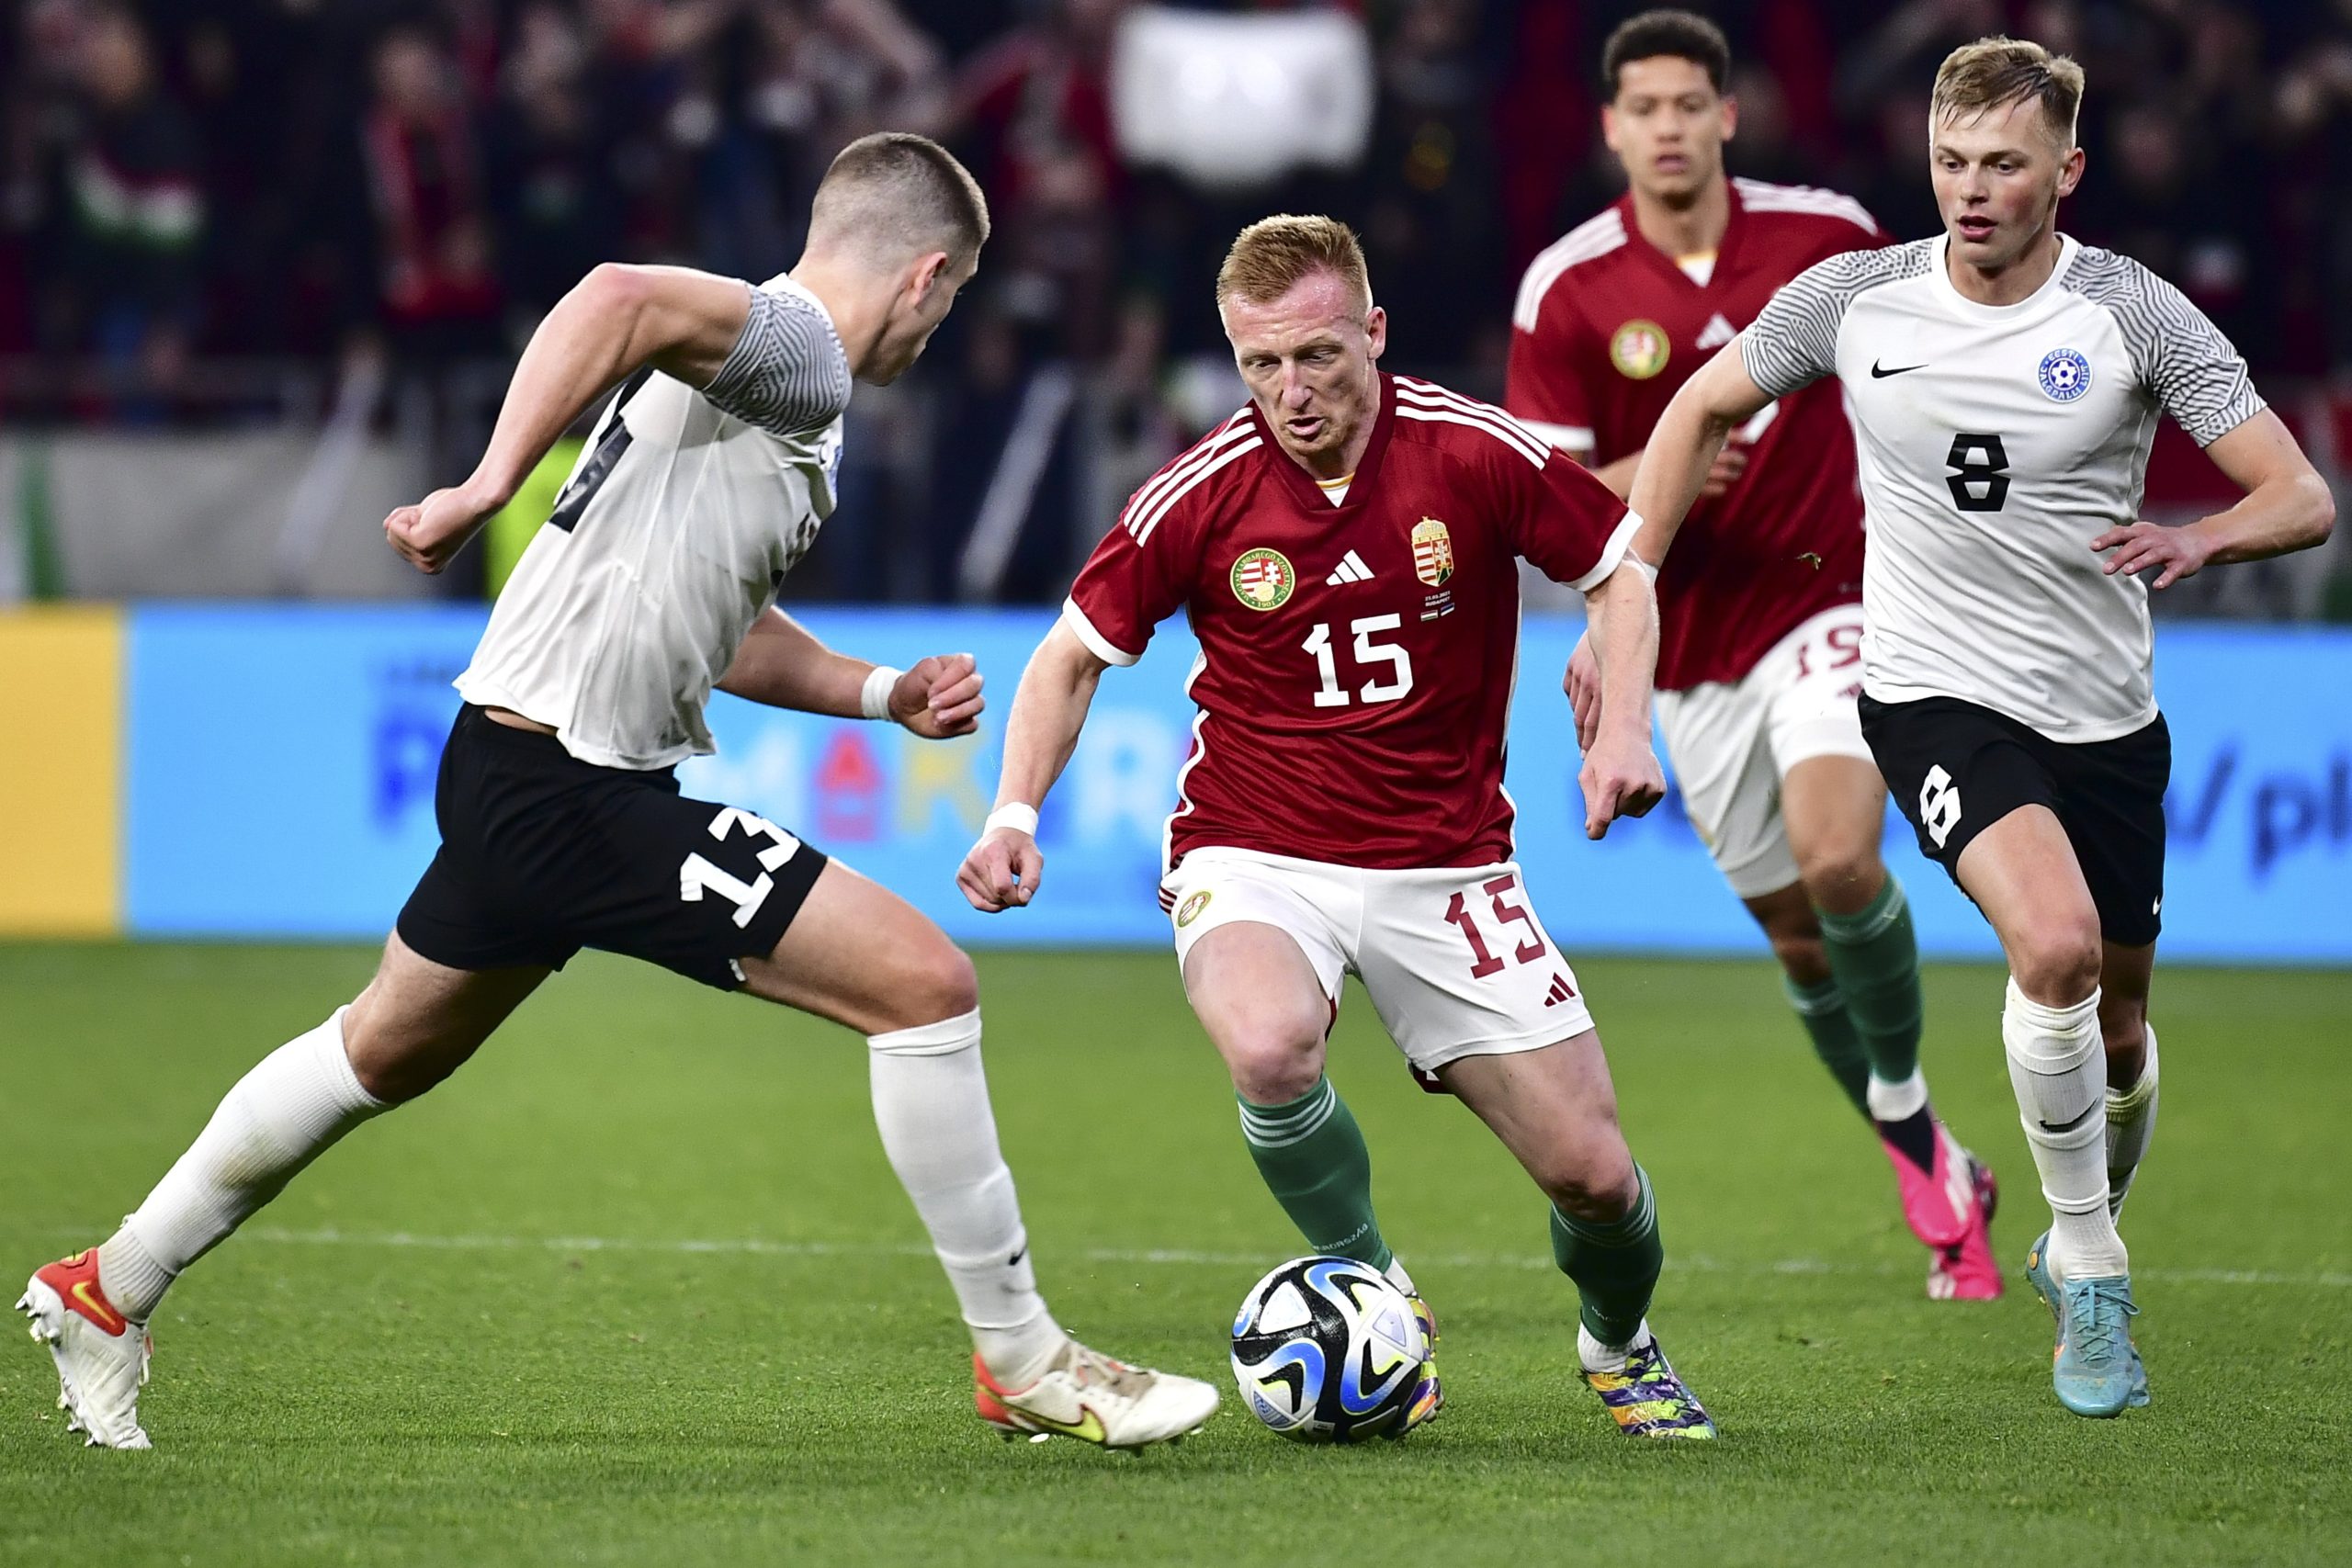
358,1402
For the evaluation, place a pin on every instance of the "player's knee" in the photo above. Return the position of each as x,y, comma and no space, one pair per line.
1275,1061
1843,877
1803,958
936,982
1596,1184
2056,957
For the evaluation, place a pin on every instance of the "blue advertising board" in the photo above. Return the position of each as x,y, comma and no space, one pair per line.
281,765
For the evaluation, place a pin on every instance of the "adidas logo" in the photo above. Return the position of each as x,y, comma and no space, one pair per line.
1718,333
1561,990
1351,570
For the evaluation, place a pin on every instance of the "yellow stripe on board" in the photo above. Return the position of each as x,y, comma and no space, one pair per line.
61,770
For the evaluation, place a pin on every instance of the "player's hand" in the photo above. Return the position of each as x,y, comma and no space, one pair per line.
1729,464
2182,552
940,697
1582,683
1002,871
429,535
1620,778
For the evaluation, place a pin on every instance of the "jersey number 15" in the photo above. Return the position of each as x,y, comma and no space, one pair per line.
1330,693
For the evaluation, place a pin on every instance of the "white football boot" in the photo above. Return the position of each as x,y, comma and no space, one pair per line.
101,1354
1086,1394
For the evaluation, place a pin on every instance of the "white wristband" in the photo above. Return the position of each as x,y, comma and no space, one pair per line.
874,697
1649,572
1016,815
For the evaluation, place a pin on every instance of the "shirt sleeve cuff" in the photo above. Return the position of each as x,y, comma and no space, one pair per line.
1103,647
1575,440
1612,554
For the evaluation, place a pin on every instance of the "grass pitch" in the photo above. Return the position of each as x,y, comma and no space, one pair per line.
637,1287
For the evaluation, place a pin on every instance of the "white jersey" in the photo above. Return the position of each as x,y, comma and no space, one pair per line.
670,537
1997,441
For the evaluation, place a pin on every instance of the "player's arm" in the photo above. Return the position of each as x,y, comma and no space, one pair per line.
782,665
1621,776
1675,467
2287,508
616,321
1048,711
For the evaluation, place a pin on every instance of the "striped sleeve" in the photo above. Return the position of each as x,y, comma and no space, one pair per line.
2191,366
788,372
1793,340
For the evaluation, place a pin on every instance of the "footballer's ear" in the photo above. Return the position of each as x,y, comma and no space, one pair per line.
1375,329
2070,171
923,275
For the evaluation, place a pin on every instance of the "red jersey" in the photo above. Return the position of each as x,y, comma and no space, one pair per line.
1357,659
1606,331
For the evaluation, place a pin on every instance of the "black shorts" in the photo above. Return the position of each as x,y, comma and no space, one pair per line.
1955,769
543,854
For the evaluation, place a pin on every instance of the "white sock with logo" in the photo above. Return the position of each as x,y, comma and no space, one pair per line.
2058,1066
279,1117
2131,1124
931,1105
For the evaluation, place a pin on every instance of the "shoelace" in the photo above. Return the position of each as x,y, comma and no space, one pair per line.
1090,1369
2099,1334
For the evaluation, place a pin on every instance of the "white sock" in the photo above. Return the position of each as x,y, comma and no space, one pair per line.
1394,1274
931,1104
1897,1101
279,1117
1594,1357
2130,1123
2058,1066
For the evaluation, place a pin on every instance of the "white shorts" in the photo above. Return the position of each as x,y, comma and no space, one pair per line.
1455,960
1730,743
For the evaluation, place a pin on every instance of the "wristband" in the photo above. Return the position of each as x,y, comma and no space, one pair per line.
874,697
1016,815
1649,572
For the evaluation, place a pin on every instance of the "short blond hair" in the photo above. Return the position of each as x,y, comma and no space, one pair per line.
1271,256
1979,77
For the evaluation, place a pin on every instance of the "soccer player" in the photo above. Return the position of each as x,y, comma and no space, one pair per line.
1347,549
654,579
1759,613
2005,382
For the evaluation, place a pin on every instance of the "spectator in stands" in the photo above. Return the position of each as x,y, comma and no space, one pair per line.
437,293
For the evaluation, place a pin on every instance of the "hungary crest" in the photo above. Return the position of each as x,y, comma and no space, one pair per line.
1432,552
1639,349
1262,579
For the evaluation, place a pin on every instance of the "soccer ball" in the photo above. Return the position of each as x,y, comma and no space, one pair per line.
1326,1350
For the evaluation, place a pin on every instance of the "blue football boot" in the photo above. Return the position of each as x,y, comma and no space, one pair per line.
2096,1369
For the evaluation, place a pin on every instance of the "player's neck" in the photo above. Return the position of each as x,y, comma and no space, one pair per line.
2012,283
1340,463
1689,229
859,310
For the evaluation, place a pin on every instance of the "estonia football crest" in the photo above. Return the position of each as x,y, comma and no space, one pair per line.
1432,552
1639,349
1263,579
2065,375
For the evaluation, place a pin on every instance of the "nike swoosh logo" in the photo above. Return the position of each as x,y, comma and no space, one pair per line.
1879,373
94,1308
1016,1258
1090,1429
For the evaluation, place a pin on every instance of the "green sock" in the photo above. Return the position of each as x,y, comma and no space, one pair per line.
1822,1009
1875,956
1615,1266
1312,1157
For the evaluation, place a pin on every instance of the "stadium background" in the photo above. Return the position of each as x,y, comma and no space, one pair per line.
264,265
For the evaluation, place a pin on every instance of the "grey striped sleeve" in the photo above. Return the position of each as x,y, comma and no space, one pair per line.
2177,352
1794,339
788,372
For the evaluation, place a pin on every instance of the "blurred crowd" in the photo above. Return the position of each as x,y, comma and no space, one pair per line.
187,183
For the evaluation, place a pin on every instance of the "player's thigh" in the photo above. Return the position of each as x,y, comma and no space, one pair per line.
1835,809
1716,745
1555,1110
1259,944
418,1021
1457,965
2111,800
857,953
2022,873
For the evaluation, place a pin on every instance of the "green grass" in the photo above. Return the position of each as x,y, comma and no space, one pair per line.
507,1395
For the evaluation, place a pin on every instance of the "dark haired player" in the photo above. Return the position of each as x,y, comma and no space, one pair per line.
654,580
2004,383
1759,646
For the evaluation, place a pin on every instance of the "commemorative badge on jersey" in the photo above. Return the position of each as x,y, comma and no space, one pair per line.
1192,907
1262,579
2065,375
1432,552
1639,349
